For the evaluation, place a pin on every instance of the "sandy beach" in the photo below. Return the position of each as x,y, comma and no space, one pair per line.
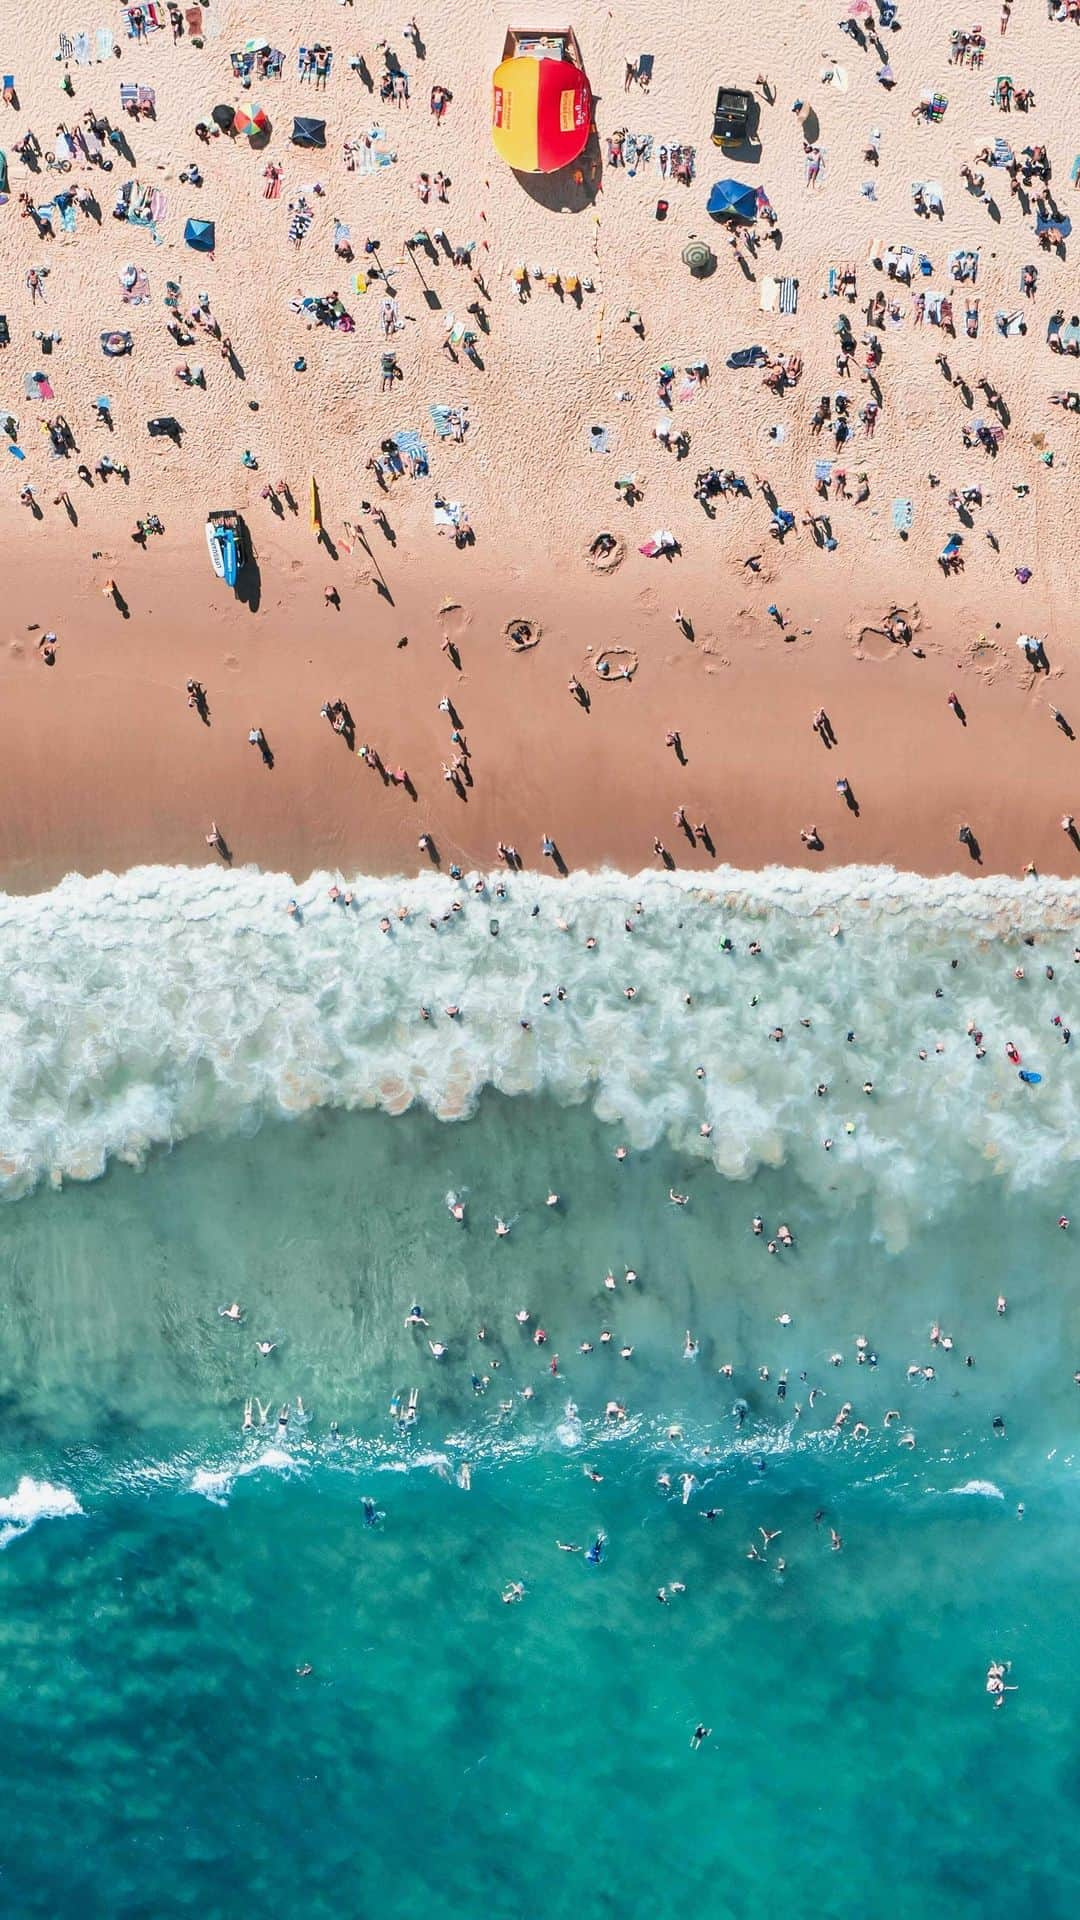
105,765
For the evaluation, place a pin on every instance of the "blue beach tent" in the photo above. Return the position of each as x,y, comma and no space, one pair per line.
199,234
308,133
732,200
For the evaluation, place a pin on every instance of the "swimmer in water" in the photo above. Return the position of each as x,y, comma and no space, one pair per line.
512,1592
464,1476
595,1553
1002,1303
414,1317
501,1228
372,1516
437,1349
248,1421
757,1224
264,1412
687,1481
678,1199
691,1347
265,1348
699,1734
235,1313
456,1208
283,1418
567,1547
552,1200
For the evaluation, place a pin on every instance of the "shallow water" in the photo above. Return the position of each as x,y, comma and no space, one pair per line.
163,1572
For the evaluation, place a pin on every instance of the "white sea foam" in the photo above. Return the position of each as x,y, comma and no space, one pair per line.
141,1009
33,1500
216,1483
982,1489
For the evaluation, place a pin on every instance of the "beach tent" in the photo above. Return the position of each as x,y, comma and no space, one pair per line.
732,200
308,133
199,235
541,113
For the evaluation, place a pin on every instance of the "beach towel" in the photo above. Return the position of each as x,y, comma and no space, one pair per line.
67,215
104,43
823,469
767,293
147,99
36,387
789,294
194,20
129,95
598,440
411,444
67,48
447,513
82,49
158,204
903,515
746,357
449,422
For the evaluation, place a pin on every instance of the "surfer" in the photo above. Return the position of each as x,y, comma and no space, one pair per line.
699,1734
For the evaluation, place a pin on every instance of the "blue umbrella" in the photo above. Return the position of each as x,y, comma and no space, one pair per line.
732,200
199,234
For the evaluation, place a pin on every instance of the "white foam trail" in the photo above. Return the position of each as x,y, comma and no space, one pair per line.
983,1488
33,1500
216,1483
138,1010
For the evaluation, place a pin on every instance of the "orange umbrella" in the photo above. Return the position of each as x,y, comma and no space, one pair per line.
541,113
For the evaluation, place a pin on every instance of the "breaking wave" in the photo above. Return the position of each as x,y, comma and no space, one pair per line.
138,1010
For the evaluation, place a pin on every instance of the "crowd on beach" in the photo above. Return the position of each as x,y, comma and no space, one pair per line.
1004,458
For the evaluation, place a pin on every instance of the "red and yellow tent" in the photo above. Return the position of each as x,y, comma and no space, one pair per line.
541,113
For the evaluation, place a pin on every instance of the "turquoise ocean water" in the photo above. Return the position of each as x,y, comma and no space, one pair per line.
206,1101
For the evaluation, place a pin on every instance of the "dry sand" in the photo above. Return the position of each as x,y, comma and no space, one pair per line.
104,765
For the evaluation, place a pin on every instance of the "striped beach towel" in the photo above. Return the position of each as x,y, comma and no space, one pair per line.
410,443
129,95
789,293
67,47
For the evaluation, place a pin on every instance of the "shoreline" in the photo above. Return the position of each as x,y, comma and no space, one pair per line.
109,769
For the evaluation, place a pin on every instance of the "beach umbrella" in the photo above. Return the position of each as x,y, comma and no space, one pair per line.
732,200
263,46
859,8
222,117
541,113
699,257
308,133
199,235
250,120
